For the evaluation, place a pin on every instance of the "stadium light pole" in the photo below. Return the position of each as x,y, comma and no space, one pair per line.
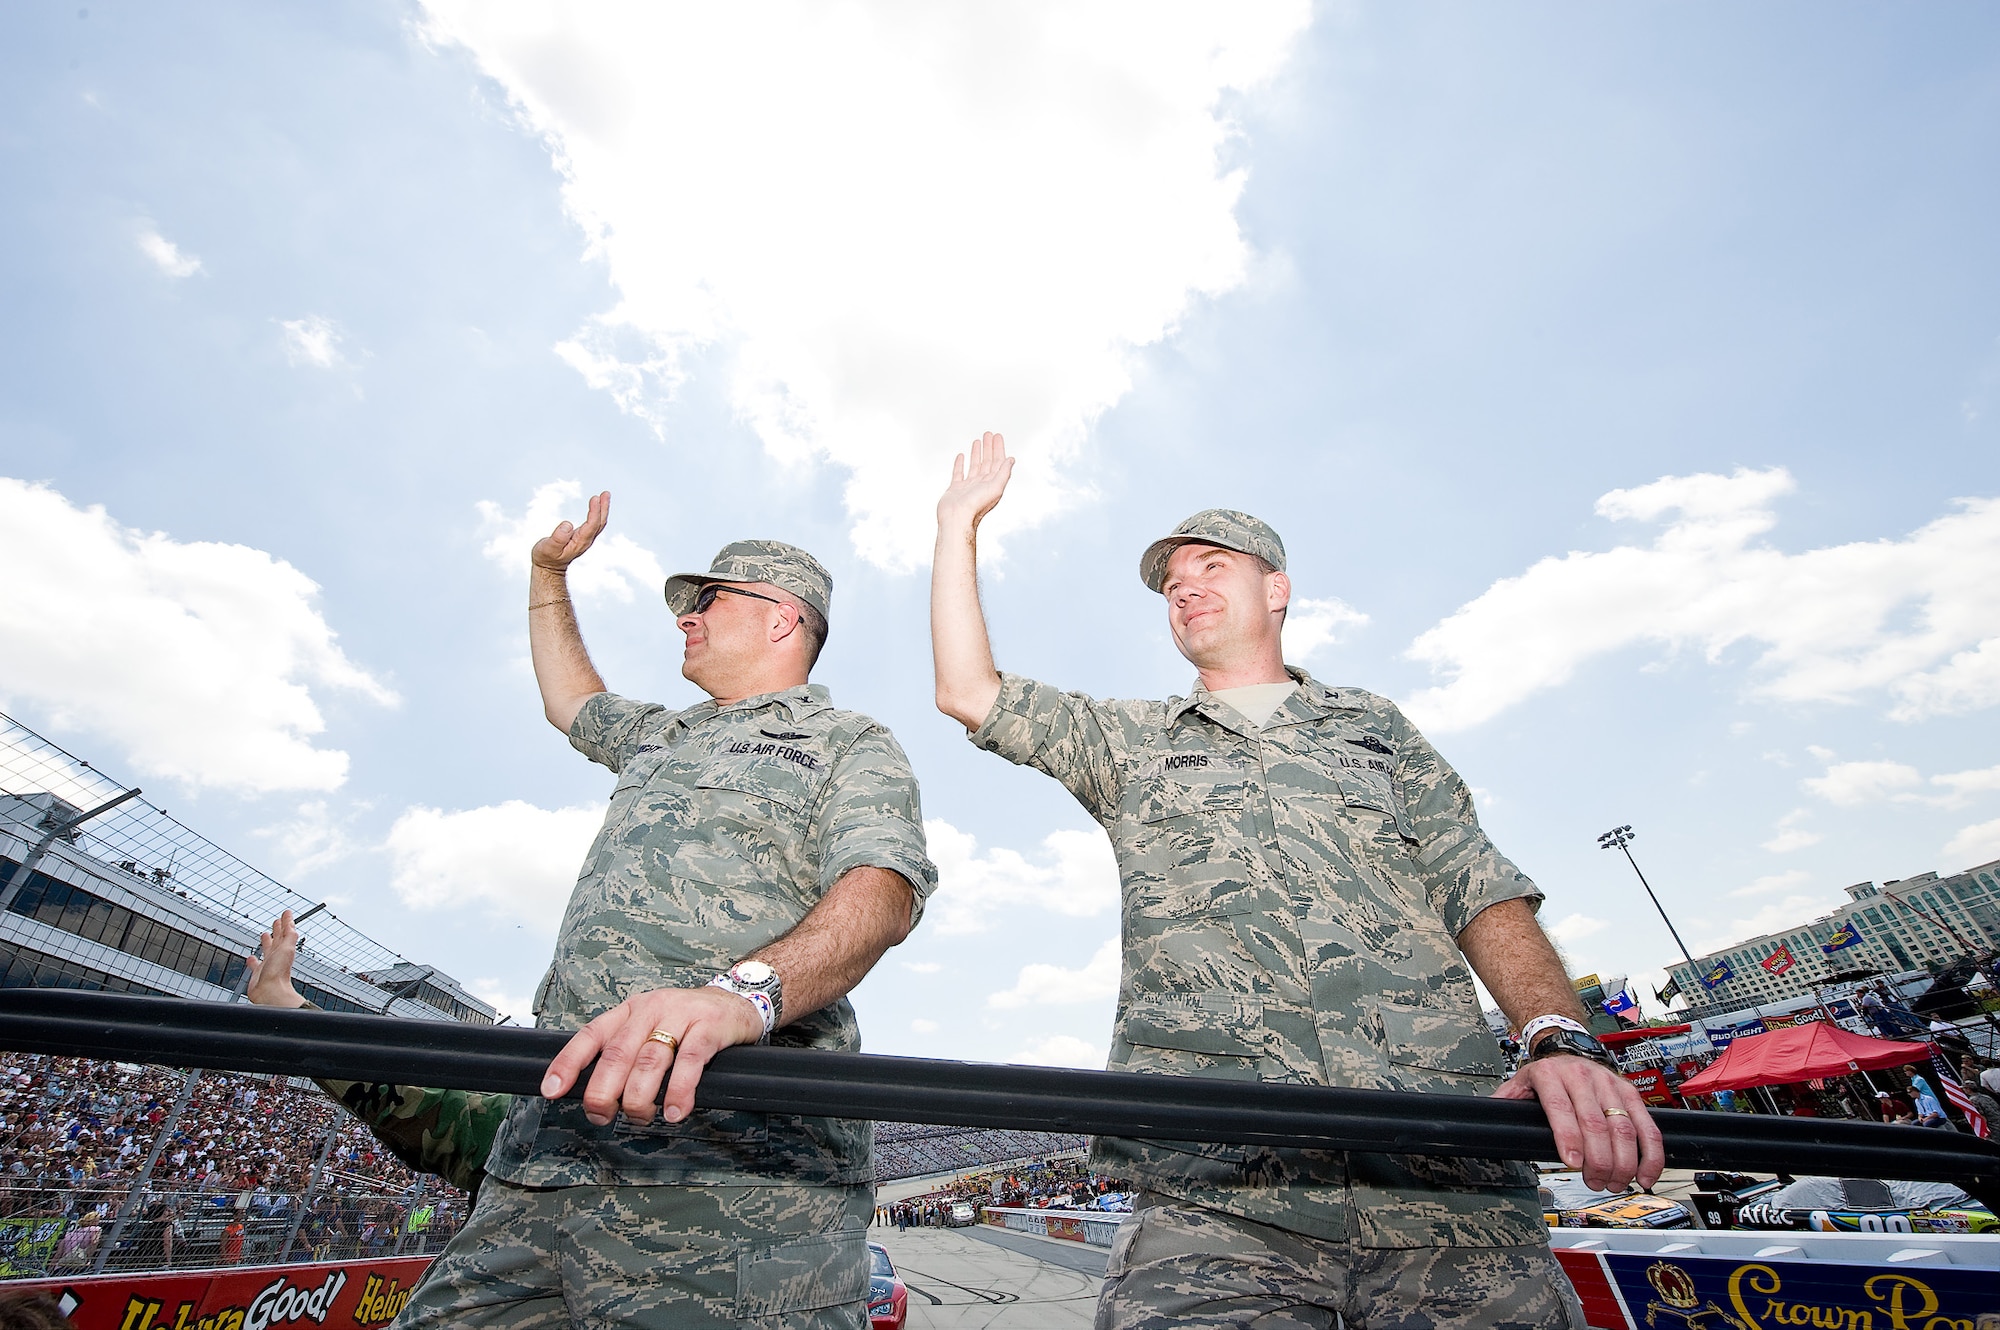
1620,839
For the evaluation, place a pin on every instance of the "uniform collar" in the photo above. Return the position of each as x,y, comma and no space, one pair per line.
1310,701
796,702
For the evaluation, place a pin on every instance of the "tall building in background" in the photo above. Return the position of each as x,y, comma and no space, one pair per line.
1917,923
125,899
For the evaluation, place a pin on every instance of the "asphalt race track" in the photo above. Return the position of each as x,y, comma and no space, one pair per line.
964,1278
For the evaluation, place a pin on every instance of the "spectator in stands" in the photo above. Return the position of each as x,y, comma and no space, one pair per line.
1894,1108
1930,1112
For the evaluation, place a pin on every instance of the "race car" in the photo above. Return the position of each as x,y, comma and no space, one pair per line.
1867,1205
888,1299
1568,1203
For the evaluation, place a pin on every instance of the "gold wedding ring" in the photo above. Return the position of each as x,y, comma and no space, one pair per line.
662,1037
1616,1113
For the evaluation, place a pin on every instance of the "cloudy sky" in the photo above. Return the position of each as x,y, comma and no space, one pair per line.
1624,381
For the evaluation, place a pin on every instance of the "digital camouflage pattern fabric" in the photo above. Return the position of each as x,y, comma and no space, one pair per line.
1180,1267
725,828
1224,528
444,1132
1291,895
769,561
774,1257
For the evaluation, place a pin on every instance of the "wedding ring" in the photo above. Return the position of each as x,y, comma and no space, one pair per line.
1616,1113
662,1037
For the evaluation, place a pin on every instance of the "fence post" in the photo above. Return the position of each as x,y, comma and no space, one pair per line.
143,1184
312,1187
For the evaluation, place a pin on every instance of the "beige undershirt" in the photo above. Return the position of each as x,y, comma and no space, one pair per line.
1256,702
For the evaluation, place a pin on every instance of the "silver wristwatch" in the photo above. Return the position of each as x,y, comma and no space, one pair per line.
757,982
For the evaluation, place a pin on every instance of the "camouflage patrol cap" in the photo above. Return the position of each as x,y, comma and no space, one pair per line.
1225,528
785,566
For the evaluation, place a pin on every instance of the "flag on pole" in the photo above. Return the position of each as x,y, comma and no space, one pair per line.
1952,1090
1843,937
1622,1006
1719,974
1673,990
1779,961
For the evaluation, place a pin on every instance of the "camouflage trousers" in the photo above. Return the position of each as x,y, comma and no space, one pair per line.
1180,1265
776,1258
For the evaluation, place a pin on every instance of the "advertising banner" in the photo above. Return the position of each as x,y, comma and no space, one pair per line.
1764,1295
347,1295
27,1244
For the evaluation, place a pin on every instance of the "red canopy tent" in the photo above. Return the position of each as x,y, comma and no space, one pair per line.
1800,1053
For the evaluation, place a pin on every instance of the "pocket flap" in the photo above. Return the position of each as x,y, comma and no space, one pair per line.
1226,1024
802,1274
1438,1039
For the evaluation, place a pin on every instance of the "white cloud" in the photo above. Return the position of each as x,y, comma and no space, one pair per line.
1790,836
495,994
1313,624
922,1026
1851,784
898,225
1976,844
1060,1050
200,659
515,859
313,340
1918,618
166,255
1044,985
311,839
922,967
1573,928
1764,886
1965,784
616,565
1076,876
1777,917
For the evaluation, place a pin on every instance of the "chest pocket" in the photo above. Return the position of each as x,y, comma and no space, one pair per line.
1365,780
1186,857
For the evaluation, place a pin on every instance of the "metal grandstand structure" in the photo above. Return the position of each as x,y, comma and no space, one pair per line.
147,845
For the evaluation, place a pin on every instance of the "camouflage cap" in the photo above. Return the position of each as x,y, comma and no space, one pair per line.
1225,528
781,565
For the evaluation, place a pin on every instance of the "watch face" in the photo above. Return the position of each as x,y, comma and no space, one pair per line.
753,972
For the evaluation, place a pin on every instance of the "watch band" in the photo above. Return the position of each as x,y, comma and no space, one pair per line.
1535,1028
757,984
1568,1043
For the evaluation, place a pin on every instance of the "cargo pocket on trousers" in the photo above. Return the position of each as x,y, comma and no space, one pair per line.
802,1274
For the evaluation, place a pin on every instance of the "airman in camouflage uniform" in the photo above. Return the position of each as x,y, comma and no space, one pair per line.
763,823
1296,883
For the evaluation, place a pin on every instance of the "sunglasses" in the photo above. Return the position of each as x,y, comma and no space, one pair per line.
706,596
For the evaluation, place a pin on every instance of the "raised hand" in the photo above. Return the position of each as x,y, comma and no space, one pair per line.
561,547
978,479
271,977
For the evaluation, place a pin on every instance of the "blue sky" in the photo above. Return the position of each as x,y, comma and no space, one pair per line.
313,304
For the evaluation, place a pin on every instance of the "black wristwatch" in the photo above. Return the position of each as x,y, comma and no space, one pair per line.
1570,1043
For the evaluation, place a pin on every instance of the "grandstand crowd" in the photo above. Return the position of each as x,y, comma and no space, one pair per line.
233,1180
75,1135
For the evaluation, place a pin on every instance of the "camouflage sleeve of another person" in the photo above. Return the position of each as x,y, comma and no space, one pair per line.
445,1132
870,816
609,727
1064,735
1461,869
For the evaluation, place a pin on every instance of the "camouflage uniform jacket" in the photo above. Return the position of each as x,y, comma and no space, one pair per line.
727,825
445,1132
1290,897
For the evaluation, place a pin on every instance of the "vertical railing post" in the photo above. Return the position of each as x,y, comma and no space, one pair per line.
312,1188
144,1182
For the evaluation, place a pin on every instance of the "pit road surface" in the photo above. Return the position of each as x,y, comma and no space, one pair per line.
967,1278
